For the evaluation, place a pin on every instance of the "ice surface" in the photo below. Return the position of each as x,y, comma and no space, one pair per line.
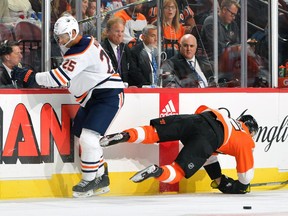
264,203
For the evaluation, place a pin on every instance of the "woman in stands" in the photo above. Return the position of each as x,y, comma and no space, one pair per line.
173,30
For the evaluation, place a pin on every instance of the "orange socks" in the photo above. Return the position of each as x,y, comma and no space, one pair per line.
172,173
143,134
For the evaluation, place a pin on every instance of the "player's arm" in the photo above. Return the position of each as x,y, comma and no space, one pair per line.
30,79
222,182
228,185
213,168
57,77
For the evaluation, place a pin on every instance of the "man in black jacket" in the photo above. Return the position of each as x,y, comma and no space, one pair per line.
119,52
142,55
11,56
185,70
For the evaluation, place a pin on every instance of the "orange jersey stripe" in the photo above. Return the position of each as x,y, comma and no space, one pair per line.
81,97
59,77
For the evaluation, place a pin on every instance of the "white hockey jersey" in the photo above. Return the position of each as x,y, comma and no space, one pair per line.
85,66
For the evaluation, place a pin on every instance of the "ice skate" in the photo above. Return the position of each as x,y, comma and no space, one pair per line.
150,171
99,185
113,139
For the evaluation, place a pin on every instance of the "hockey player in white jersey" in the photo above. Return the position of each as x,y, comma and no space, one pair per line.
88,74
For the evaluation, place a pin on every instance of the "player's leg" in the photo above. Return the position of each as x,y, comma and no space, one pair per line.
95,178
196,138
166,128
143,134
99,113
170,174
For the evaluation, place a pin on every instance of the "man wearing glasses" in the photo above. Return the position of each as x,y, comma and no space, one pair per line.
228,30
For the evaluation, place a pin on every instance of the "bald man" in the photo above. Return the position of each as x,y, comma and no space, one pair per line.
185,70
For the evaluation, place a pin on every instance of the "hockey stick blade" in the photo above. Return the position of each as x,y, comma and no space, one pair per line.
269,183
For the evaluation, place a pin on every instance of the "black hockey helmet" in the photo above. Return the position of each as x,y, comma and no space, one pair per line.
251,123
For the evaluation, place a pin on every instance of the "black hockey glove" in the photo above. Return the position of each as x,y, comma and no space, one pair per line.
230,186
25,76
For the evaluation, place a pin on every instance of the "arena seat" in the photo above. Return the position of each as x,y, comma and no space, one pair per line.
29,36
5,33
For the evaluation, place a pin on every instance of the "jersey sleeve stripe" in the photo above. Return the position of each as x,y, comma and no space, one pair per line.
55,79
64,74
59,77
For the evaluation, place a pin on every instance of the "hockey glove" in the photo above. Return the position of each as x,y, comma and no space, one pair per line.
25,76
230,186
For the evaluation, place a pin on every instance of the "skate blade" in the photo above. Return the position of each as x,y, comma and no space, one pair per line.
136,178
107,141
142,175
91,192
101,191
83,194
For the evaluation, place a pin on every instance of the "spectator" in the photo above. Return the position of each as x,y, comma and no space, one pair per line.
134,22
150,11
11,56
173,30
119,52
19,9
186,13
228,30
58,7
142,55
4,12
86,28
91,10
203,134
185,69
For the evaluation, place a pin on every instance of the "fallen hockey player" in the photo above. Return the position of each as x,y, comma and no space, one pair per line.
203,135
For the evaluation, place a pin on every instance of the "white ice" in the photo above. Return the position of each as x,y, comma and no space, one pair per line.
264,203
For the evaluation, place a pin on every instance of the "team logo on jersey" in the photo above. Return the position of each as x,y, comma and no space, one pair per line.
168,110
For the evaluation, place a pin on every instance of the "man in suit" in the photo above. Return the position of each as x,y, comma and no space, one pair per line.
142,55
185,70
119,52
11,56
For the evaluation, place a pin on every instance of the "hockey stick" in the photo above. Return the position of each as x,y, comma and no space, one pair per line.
269,183
114,10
